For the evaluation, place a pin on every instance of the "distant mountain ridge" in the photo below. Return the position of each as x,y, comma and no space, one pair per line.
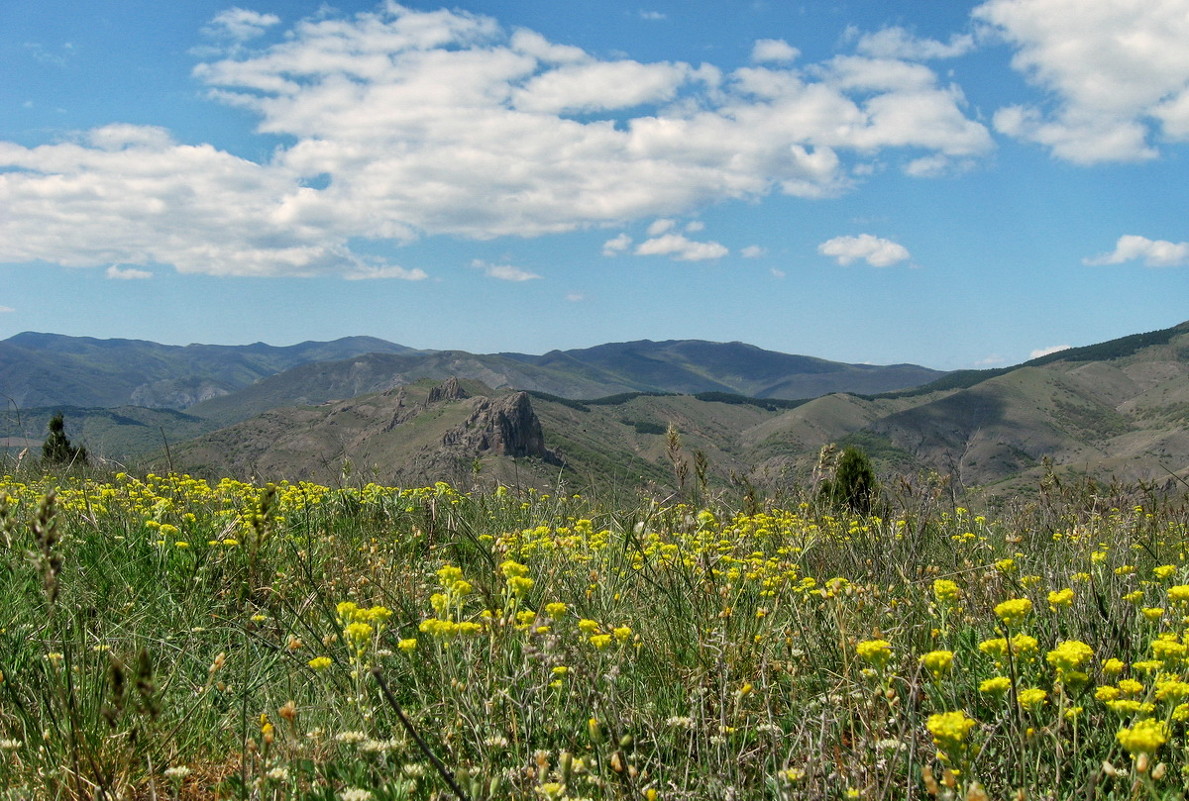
1118,409
41,370
1124,415
55,370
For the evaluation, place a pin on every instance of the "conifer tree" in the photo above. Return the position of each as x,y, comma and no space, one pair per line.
57,448
853,485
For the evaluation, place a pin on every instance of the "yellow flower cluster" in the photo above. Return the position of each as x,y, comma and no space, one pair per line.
1145,737
1013,612
938,663
875,652
949,730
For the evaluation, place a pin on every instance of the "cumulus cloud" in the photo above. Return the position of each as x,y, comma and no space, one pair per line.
432,123
504,272
620,244
874,250
1115,70
680,248
1036,354
240,24
897,42
1153,252
773,50
118,273
365,272
658,227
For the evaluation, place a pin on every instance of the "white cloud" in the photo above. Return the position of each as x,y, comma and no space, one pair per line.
680,248
896,42
1116,69
504,272
876,251
128,195
575,297
6,309
600,86
364,272
658,227
443,123
928,166
620,244
773,50
778,274
753,252
127,273
240,24
1153,252
990,361
1036,354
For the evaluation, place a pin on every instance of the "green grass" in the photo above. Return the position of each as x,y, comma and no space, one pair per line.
169,638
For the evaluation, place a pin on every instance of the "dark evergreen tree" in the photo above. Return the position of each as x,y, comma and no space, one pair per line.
853,486
57,448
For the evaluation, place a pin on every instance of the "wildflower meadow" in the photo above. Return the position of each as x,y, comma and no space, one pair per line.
165,637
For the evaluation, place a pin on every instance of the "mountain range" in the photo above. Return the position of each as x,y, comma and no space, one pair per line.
378,411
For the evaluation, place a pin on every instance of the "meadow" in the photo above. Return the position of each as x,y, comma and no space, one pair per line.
168,638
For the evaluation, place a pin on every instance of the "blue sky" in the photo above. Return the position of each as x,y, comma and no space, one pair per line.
955,184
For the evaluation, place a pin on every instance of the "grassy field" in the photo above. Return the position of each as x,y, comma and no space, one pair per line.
168,638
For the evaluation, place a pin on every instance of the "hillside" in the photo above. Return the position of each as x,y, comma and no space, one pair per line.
682,367
51,370
694,366
1117,409
417,434
221,385
1124,417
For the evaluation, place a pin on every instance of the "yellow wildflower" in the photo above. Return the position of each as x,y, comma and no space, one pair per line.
1059,599
938,663
1145,737
1032,699
875,652
946,591
996,685
949,730
1013,612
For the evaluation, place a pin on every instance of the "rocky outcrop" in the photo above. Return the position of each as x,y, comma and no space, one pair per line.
504,427
176,393
448,390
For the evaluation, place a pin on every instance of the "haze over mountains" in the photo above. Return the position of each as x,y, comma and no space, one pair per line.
393,414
